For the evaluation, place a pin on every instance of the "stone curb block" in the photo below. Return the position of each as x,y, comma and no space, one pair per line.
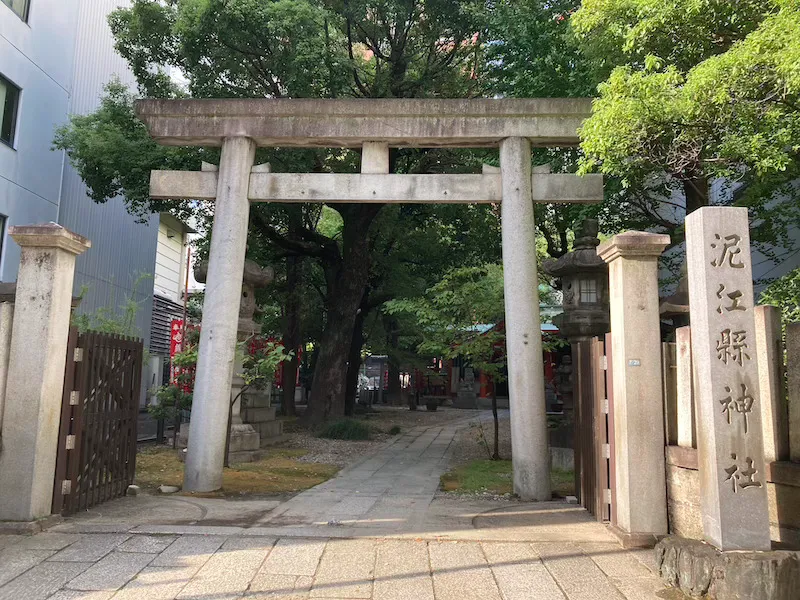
700,570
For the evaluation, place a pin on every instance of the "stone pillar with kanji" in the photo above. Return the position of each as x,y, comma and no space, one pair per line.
733,487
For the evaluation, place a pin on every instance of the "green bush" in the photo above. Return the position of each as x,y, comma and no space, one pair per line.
394,430
345,429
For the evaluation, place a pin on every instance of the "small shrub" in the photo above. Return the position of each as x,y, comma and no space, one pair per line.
394,430
345,429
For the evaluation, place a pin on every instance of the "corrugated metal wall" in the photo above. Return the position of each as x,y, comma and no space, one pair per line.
121,261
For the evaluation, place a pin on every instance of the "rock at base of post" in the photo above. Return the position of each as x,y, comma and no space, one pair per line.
700,570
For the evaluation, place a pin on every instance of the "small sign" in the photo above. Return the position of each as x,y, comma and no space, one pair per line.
634,362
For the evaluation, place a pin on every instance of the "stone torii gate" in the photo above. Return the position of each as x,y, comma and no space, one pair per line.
239,126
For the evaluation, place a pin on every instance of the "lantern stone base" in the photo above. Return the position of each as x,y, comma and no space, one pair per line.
244,444
700,570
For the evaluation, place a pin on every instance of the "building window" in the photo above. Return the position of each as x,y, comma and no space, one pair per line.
3,221
20,7
9,102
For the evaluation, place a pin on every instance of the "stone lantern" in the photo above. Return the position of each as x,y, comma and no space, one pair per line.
584,284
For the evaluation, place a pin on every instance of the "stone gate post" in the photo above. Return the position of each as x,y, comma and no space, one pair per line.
730,439
641,506
529,443
37,359
206,449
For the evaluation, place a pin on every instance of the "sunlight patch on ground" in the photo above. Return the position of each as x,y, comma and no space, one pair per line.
278,473
496,477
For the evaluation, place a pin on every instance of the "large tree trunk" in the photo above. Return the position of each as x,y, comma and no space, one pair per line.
697,194
291,335
496,454
393,391
346,280
354,363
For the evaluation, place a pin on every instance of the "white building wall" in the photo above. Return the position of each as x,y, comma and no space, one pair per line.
170,271
37,56
120,264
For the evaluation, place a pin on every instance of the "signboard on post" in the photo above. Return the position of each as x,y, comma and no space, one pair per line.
733,485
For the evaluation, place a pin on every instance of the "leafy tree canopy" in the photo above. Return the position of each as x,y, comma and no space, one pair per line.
698,90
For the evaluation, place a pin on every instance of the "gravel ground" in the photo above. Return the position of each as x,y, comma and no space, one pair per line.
468,445
345,452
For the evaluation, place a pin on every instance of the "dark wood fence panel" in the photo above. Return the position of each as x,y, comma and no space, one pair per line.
97,439
593,428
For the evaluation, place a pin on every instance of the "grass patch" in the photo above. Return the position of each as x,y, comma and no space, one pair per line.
278,473
496,477
345,429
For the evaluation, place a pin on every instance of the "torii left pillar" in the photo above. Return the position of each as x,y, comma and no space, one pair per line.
529,440
215,361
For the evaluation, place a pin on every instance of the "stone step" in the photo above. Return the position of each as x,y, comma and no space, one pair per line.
258,415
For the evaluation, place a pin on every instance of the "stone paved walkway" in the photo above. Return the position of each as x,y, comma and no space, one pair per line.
376,531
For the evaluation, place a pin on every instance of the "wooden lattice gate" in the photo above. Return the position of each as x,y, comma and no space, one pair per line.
594,427
97,439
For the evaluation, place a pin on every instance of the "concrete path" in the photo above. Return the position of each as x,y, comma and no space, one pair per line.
376,531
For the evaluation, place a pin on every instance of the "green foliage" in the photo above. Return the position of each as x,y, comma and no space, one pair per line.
785,294
171,400
113,153
458,317
395,430
345,429
260,365
697,90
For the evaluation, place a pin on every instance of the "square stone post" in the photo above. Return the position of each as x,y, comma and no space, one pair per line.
529,442
774,410
205,454
641,491
686,426
793,388
733,487
38,357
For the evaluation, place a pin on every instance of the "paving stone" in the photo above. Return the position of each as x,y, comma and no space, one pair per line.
6,541
90,548
283,587
519,573
111,573
80,595
460,572
147,544
576,574
189,550
157,583
614,560
346,570
402,571
43,580
14,562
48,541
647,557
294,557
643,588
228,573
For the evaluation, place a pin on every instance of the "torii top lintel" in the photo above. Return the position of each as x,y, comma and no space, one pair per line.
348,123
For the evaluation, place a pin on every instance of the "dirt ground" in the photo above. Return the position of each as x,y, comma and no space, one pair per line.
477,441
343,452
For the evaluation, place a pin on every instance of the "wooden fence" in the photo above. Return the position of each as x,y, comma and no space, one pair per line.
97,439
594,427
